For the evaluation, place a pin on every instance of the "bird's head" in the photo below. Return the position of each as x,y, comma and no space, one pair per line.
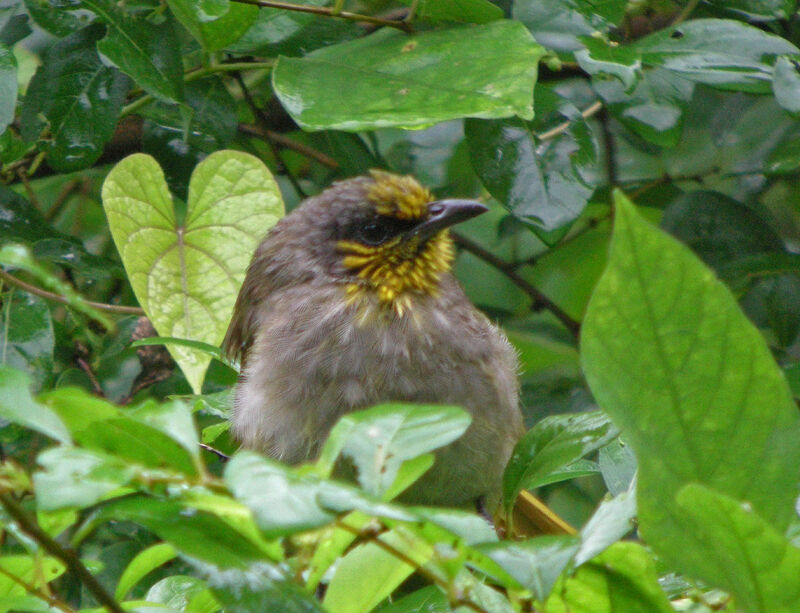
383,236
388,236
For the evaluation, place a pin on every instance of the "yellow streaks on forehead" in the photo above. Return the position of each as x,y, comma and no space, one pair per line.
398,196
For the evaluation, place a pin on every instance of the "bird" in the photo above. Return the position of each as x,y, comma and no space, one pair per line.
350,301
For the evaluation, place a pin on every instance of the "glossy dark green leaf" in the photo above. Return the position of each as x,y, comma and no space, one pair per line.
430,599
552,444
148,52
8,87
73,477
56,20
214,26
379,440
759,9
543,187
80,98
654,109
600,58
392,79
17,406
746,555
786,83
692,386
457,11
558,24
535,563
623,578
719,52
15,28
211,124
204,538
276,31
785,157
718,228
26,335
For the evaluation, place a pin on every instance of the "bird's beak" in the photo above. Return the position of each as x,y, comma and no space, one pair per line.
445,213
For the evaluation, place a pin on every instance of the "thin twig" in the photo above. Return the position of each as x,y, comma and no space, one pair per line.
288,143
222,456
611,154
67,556
70,187
329,12
590,110
42,293
540,301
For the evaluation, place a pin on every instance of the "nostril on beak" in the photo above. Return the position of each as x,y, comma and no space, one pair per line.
436,209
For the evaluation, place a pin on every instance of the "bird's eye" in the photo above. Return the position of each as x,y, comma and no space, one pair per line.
374,232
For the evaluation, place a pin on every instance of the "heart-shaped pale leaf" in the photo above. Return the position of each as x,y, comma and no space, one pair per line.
186,275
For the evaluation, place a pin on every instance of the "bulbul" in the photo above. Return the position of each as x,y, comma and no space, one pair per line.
349,302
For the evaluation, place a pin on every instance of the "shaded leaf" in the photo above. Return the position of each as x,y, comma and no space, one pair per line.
26,335
552,444
786,83
458,11
612,520
145,561
148,52
216,29
80,98
719,52
392,79
8,87
55,20
17,406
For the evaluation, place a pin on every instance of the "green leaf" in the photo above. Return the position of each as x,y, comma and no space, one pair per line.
746,555
612,520
8,87
366,575
148,52
759,9
621,579
541,184
392,79
379,440
535,563
54,19
202,537
552,444
72,477
80,98
26,335
600,58
217,30
35,571
558,24
17,406
786,83
174,419
617,465
719,52
186,275
692,386
654,109
145,561
285,501
457,11
175,591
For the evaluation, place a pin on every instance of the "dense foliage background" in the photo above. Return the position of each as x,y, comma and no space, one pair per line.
664,426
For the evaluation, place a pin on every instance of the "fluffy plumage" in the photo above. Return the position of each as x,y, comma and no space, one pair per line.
336,315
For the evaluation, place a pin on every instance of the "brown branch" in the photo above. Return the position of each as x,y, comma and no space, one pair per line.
589,111
67,556
42,293
540,301
329,12
222,456
288,143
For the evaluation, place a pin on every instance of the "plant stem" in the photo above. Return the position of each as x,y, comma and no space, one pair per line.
67,556
540,301
42,293
589,111
329,12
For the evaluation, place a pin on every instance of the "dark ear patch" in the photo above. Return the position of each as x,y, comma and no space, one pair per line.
375,230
